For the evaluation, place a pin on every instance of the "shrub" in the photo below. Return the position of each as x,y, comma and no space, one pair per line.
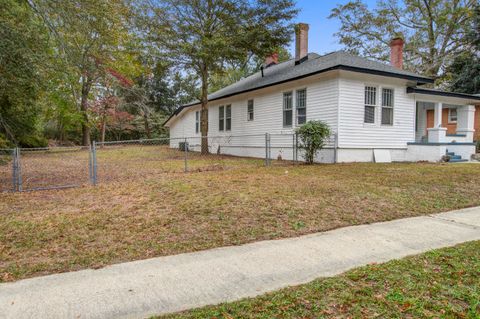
313,136
478,146
3,141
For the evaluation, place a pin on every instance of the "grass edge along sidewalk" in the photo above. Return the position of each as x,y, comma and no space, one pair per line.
442,283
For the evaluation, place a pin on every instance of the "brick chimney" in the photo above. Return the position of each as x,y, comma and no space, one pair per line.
301,42
396,53
272,59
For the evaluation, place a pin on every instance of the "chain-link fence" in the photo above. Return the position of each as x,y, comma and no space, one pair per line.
60,167
54,167
7,170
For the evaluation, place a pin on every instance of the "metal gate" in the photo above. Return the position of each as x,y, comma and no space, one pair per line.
27,169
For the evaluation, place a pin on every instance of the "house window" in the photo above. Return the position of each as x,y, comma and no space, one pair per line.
452,115
228,117
370,103
387,106
221,118
301,106
250,110
287,109
197,121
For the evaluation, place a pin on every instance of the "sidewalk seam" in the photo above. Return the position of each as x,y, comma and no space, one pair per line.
452,221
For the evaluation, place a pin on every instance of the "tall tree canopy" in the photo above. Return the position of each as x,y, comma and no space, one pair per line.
23,48
92,38
464,72
201,35
434,30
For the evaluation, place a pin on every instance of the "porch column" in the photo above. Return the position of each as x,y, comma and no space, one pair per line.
465,121
437,134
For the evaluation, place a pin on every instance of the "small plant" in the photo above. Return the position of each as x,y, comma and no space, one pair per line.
313,136
478,146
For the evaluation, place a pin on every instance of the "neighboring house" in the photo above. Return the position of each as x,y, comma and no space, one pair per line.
372,107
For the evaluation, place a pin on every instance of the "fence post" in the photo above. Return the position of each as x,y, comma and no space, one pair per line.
19,170
90,166
335,148
293,148
185,148
266,149
14,168
94,163
296,147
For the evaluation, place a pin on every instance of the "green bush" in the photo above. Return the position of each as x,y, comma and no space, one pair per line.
32,141
478,146
3,141
313,136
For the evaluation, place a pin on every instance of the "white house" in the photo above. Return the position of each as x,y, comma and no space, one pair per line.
373,108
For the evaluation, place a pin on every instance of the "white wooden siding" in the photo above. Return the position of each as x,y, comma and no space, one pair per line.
322,102
354,133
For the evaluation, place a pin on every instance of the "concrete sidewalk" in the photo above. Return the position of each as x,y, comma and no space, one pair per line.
168,284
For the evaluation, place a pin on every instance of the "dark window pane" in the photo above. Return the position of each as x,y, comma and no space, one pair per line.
250,110
301,106
221,116
387,115
197,122
302,116
387,97
228,117
287,118
287,101
370,95
369,114
287,109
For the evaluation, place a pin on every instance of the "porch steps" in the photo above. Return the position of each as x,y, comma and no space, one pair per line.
455,158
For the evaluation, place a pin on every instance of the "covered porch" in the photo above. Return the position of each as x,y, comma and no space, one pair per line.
445,124
439,122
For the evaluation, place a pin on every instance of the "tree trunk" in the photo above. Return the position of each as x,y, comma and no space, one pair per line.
104,128
86,84
147,126
204,112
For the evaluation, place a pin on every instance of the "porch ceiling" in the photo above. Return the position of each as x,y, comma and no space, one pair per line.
430,95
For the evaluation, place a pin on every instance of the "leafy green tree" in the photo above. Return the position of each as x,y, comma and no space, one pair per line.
313,136
434,30
464,72
201,35
23,47
93,37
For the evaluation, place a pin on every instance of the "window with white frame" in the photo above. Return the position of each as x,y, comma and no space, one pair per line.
221,118
387,106
287,109
228,117
370,104
250,110
452,115
197,121
301,106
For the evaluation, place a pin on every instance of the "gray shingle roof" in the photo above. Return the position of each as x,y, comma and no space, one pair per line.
314,64
288,71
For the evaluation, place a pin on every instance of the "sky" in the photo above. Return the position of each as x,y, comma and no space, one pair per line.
321,37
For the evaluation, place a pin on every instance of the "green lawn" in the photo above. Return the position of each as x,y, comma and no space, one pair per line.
143,210
442,283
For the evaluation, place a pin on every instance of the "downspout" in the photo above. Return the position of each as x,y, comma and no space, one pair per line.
337,135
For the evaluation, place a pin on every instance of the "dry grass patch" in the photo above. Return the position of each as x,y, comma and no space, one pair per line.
168,213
